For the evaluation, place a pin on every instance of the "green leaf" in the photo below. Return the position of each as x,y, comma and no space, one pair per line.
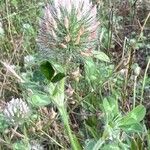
38,100
91,72
19,145
101,56
113,102
135,116
110,105
47,69
37,76
14,2
136,127
90,68
106,106
89,144
110,147
138,113
3,123
98,144
125,121
92,131
57,92
58,77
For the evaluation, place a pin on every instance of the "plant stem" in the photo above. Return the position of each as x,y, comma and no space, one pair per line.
144,80
134,93
74,142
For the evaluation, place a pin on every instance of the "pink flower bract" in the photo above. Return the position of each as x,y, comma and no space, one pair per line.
68,27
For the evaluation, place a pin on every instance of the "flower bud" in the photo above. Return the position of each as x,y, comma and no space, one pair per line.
137,71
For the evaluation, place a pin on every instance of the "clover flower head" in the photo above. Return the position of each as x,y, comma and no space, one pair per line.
35,145
67,28
16,111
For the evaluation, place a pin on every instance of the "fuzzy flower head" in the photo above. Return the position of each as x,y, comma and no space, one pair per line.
16,111
68,28
35,145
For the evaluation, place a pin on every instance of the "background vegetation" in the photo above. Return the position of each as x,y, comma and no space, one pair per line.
106,97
